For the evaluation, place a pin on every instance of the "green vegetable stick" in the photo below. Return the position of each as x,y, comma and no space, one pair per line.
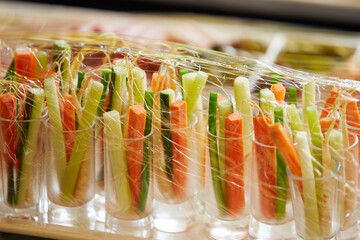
267,102
336,144
145,172
42,61
292,95
294,119
181,73
11,70
312,224
105,82
167,97
118,78
29,151
62,59
225,108
56,128
316,138
193,88
81,140
242,98
308,98
80,79
214,155
118,163
139,85
281,194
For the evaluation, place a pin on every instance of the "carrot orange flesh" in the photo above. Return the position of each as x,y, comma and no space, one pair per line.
134,148
353,118
234,164
325,124
178,115
158,82
283,142
25,64
9,128
265,158
279,91
69,124
329,103
46,74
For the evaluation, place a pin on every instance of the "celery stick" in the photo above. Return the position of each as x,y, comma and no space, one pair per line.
105,82
308,98
118,78
167,97
55,126
139,85
281,194
181,73
242,98
214,155
62,59
29,150
294,119
316,138
312,224
292,95
118,163
267,102
193,88
81,140
225,108
145,172
42,61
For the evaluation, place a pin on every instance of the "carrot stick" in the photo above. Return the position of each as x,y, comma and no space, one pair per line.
329,103
158,82
234,164
283,142
353,119
69,124
266,166
178,112
134,148
325,124
278,90
25,64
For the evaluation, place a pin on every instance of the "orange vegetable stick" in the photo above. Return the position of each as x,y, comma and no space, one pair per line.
25,64
178,113
265,158
134,148
234,164
9,128
278,90
283,142
158,83
353,119
69,124
325,124
329,103
46,74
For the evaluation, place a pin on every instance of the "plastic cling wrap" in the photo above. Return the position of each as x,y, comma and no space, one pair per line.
148,120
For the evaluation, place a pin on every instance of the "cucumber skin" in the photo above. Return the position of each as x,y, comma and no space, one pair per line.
281,177
166,133
145,172
214,155
105,82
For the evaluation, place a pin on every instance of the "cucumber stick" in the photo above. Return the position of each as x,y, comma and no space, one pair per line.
225,108
294,119
167,97
56,128
181,73
214,155
29,150
267,102
308,98
312,222
281,191
292,98
62,59
145,172
81,140
42,61
105,78
80,79
139,85
193,85
118,163
316,138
